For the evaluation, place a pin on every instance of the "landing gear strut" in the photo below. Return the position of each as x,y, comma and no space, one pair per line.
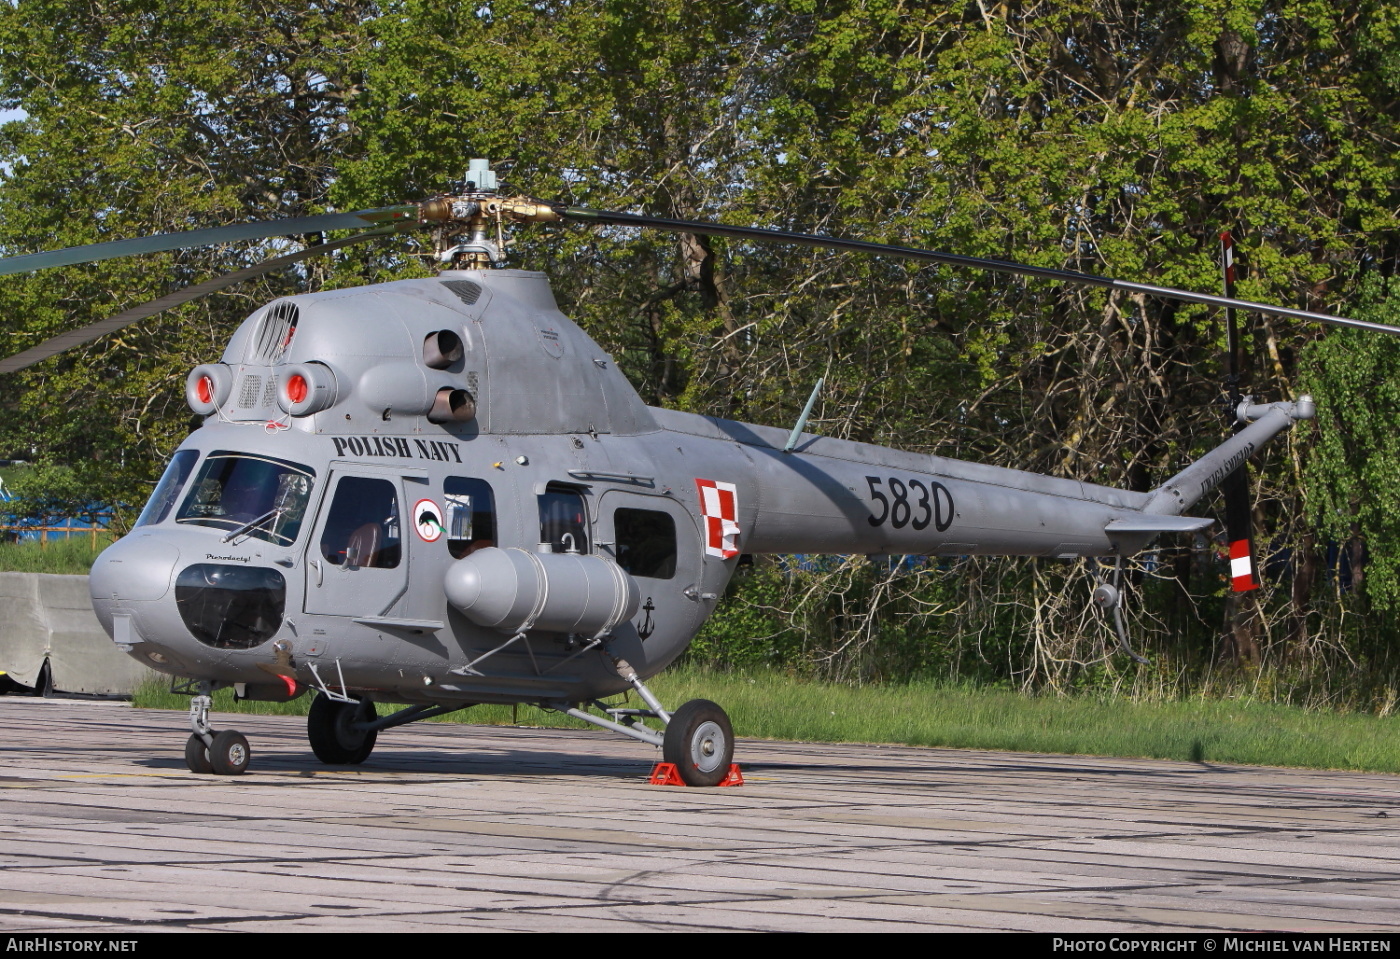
698,738
342,730
224,752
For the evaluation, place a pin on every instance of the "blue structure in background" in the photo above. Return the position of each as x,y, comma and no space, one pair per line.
14,528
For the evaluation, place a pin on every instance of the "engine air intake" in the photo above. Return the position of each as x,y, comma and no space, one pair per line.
306,388
207,388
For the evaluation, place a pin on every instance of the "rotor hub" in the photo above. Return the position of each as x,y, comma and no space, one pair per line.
471,231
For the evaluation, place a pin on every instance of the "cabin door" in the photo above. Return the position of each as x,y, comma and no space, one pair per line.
356,564
655,540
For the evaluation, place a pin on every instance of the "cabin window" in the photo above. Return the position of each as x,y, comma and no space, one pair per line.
264,497
646,542
362,528
168,490
563,519
471,515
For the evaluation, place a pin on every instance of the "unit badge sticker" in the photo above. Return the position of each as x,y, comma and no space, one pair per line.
719,505
427,520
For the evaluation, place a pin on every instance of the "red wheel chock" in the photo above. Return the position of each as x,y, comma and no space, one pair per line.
666,774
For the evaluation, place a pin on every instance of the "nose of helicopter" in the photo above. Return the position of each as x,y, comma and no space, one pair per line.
148,595
136,568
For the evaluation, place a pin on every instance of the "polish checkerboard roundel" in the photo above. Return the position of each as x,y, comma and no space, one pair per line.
719,508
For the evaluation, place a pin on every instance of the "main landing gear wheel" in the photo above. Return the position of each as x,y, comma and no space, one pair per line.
333,740
700,741
197,755
229,753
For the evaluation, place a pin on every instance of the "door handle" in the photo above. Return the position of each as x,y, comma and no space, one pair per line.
320,573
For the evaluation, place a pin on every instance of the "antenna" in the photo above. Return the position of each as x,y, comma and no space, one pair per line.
796,433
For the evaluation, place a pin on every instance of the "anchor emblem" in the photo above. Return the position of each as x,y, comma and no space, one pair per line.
647,627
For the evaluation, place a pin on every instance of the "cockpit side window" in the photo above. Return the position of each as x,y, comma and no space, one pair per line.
233,490
362,529
168,490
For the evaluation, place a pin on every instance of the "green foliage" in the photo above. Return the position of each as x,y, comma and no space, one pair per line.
48,490
853,619
747,629
145,117
69,556
1354,466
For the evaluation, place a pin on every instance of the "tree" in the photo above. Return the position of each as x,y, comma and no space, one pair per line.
1354,466
146,117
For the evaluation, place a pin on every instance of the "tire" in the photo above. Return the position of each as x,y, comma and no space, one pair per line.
197,756
229,754
43,685
700,742
328,730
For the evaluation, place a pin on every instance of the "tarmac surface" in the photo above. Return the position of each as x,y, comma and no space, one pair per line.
450,827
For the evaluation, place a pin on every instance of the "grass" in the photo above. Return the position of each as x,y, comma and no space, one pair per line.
73,555
774,706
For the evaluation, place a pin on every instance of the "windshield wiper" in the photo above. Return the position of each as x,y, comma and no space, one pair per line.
274,513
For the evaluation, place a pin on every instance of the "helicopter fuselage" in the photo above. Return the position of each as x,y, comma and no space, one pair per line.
443,492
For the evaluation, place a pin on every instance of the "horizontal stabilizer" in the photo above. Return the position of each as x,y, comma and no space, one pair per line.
1158,523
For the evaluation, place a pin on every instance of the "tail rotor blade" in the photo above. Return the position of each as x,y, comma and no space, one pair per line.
66,341
1232,338
1239,532
1238,512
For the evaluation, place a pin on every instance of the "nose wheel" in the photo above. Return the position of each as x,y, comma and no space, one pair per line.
197,755
224,752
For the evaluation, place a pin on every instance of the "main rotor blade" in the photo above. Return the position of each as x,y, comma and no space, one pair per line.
66,341
213,236
955,259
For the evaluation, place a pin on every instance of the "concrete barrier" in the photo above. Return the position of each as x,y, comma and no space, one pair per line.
48,618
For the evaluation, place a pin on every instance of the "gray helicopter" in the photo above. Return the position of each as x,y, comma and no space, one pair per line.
441,492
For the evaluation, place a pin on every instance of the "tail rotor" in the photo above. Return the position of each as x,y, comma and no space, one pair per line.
1238,512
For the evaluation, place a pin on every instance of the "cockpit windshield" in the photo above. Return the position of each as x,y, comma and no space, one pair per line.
168,490
234,490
